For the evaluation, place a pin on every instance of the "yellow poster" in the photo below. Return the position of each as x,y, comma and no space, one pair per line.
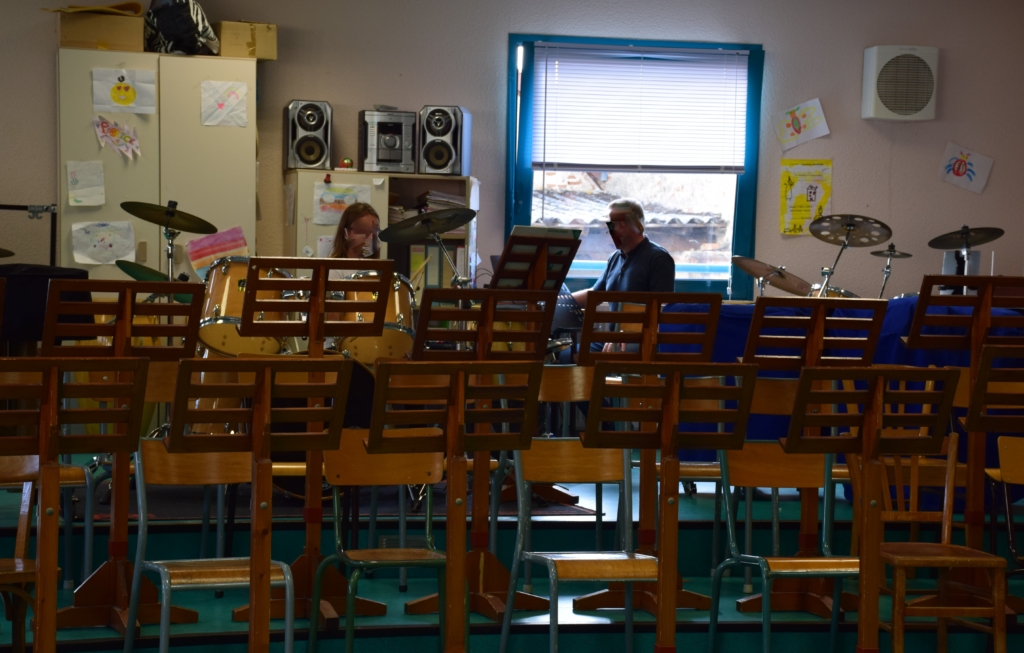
805,187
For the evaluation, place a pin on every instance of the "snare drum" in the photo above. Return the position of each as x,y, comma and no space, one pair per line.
222,309
397,339
832,291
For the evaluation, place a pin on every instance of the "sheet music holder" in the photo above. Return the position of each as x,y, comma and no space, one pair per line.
536,262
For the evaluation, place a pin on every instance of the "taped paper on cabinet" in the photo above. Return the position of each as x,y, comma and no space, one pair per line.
120,137
799,124
85,183
102,243
805,188
331,199
965,168
224,104
324,245
127,91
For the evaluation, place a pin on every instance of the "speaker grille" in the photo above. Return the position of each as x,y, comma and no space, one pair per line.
438,155
310,150
439,122
906,84
310,117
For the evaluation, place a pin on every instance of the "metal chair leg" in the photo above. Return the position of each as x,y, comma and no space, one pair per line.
716,528
350,611
165,613
716,596
629,617
496,480
318,580
69,539
289,607
748,540
90,519
403,572
833,629
599,508
204,525
553,609
766,614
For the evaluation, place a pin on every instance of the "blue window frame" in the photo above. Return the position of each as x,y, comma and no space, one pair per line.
519,161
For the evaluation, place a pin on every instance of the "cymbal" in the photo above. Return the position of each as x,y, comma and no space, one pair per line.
169,216
435,222
141,272
891,252
966,236
4,253
862,231
774,276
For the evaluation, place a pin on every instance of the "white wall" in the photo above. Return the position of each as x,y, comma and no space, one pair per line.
409,53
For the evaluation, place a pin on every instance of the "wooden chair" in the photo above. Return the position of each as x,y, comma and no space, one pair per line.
154,465
766,464
351,465
1010,472
551,460
18,574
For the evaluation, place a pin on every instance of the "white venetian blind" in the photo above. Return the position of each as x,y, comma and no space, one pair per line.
631,109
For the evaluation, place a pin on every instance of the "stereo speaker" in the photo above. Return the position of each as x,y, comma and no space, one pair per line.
308,129
445,141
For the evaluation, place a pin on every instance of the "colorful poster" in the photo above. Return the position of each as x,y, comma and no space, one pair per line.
126,91
224,104
331,199
120,137
85,183
965,168
205,250
100,243
805,193
799,124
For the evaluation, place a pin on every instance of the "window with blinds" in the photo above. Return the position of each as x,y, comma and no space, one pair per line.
601,108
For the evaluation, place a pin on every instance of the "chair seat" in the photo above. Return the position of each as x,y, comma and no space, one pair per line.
17,570
70,476
994,474
931,554
815,565
599,566
394,555
212,571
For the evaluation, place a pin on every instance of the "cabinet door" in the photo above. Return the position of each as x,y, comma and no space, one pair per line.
306,232
210,171
136,180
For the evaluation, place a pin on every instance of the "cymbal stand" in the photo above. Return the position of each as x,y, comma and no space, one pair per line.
762,280
885,277
828,272
965,252
760,286
458,281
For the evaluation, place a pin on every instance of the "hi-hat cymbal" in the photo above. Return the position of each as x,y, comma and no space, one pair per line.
862,231
891,252
141,272
774,276
169,216
966,237
435,222
4,253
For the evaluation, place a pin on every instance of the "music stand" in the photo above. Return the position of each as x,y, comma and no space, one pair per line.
534,263
260,382
47,383
102,600
3,286
488,578
876,425
428,406
321,299
634,325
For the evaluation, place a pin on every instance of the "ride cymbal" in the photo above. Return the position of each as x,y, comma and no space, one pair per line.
891,252
966,237
435,222
141,272
169,217
861,230
774,276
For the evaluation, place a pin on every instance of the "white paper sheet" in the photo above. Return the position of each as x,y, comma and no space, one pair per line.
120,137
799,124
100,243
127,91
324,245
965,168
331,200
223,104
85,183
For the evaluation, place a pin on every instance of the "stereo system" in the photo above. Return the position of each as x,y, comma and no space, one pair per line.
308,130
444,141
386,141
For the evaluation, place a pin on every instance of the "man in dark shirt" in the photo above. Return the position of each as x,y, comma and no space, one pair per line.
638,265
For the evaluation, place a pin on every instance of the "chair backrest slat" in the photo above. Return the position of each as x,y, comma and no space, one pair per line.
940,321
997,401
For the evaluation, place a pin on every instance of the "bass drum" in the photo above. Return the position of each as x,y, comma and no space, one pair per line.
358,412
832,291
397,339
222,309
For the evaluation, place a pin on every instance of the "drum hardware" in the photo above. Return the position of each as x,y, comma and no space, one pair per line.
430,227
831,291
963,239
172,221
772,275
140,272
847,231
889,253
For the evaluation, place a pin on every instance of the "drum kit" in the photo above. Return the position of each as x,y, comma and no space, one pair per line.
857,231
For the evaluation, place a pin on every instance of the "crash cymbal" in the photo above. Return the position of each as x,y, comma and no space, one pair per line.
891,252
142,273
774,276
435,222
169,216
4,253
862,231
966,237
